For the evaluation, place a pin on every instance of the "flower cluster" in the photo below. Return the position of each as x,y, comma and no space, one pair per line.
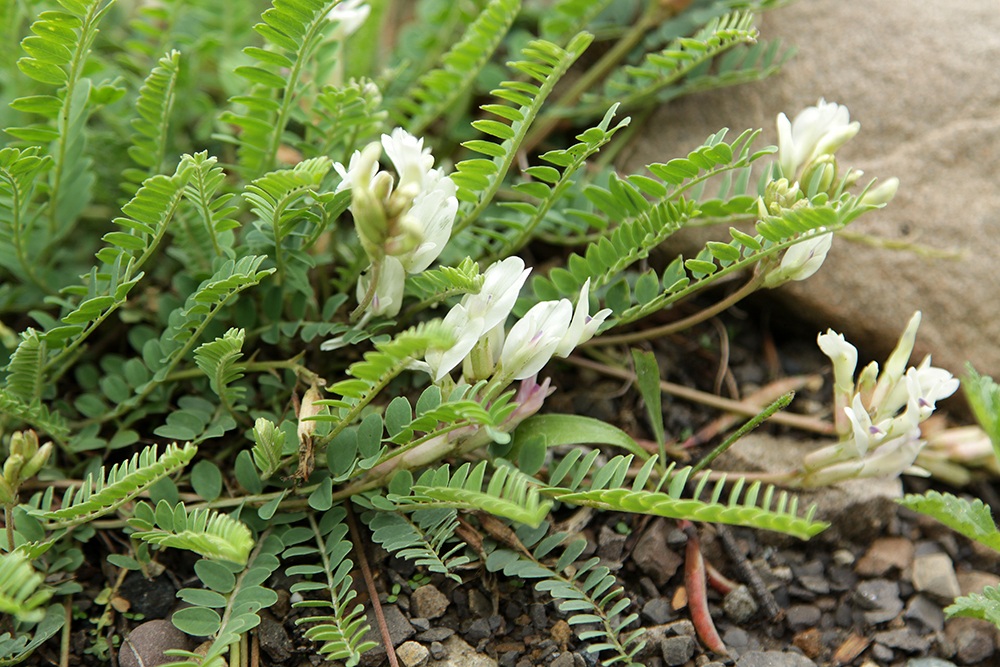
403,225
349,15
877,416
484,347
806,147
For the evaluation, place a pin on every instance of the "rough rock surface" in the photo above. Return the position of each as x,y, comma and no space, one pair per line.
927,106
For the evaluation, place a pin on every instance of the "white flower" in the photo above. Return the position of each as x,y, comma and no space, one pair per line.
360,171
467,330
349,16
479,314
502,283
818,130
801,260
388,290
843,355
410,159
891,391
429,222
534,338
866,434
583,327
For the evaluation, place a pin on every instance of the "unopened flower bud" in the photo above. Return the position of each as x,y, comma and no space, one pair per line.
881,194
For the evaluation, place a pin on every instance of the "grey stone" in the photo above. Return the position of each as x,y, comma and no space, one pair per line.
924,611
438,651
802,616
653,555
413,654
880,598
610,547
274,639
428,602
399,631
903,639
509,658
815,583
434,635
479,604
420,624
460,654
773,659
974,639
946,157
929,662
564,659
739,604
145,644
882,653
478,630
658,611
539,618
934,575
884,554
677,650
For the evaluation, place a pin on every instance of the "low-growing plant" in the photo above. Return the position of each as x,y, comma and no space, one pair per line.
231,323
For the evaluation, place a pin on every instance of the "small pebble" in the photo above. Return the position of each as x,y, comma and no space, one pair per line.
903,639
739,605
883,654
610,547
428,602
434,635
883,555
677,650
420,624
413,654
880,597
657,611
934,575
478,630
509,658
803,616
145,644
564,659
974,639
652,553
925,612
438,651
773,659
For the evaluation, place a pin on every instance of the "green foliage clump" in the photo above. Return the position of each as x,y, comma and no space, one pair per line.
217,328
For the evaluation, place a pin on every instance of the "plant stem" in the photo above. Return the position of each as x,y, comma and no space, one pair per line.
802,422
754,422
680,325
694,582
359,549
8,521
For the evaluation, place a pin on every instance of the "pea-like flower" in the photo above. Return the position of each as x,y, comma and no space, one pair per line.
403,226
801,260
477,314
349,15
816,131
878,421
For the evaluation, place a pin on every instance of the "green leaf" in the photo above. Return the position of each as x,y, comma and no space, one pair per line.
197,621
206,480
983,395
558,430
985,606
970,518
647,372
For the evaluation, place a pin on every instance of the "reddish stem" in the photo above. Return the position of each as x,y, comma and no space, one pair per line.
697,592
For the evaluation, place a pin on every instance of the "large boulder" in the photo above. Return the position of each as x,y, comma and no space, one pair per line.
922,78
